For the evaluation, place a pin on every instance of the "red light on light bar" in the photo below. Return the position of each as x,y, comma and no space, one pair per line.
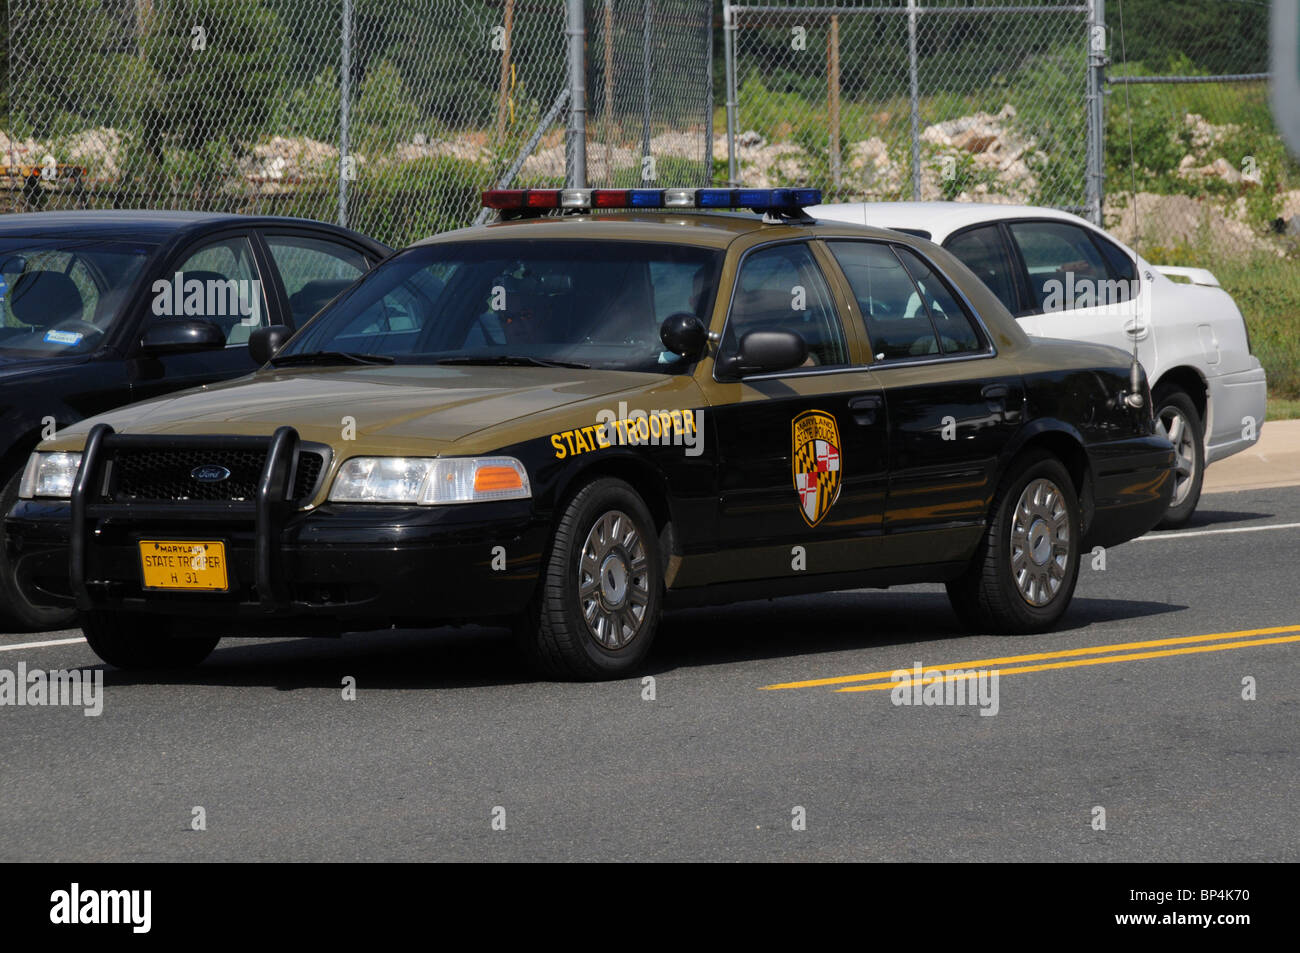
609,198
542,198
503,198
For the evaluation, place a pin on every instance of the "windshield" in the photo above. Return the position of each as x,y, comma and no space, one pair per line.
60,295
587,303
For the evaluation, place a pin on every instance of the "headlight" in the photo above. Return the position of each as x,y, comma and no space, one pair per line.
49,475
430,481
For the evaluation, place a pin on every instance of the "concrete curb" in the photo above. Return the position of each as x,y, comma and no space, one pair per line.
1273,461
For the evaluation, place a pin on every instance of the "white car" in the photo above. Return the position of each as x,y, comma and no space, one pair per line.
1064,278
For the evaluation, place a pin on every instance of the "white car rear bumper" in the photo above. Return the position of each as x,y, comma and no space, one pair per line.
1235,401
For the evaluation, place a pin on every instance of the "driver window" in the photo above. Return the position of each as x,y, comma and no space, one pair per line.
780,288
218,283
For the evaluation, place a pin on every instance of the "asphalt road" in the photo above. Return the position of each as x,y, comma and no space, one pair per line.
446,727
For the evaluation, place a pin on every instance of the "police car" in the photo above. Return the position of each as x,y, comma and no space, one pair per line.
603,405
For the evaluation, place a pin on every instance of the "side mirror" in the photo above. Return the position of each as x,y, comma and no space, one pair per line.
264,342
685,334
763,352
181,337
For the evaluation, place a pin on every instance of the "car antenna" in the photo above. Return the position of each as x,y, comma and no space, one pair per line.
1134,397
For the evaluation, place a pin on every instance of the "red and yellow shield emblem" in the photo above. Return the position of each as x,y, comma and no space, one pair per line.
816,455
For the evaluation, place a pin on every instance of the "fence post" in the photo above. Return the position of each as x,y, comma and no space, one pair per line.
833,93
576,153
1094,188
345,105
729,48
645,90
914,92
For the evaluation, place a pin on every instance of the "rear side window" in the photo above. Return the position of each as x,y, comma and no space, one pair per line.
952,322
898,322
313,271
983,251
1066,267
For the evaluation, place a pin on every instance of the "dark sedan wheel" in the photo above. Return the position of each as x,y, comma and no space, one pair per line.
145,641
1178,419
601,592
1022,576
17,612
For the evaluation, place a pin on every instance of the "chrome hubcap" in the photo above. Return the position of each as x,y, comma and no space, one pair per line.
613,580
1179,430
1040,542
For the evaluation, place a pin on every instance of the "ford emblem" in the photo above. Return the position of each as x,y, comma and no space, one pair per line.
210,473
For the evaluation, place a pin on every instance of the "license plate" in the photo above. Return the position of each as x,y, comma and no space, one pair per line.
184,564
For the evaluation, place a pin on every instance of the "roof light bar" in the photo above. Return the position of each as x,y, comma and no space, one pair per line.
759,200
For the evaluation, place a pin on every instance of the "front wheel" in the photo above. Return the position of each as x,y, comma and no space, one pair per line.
131,641
1022,576
599,600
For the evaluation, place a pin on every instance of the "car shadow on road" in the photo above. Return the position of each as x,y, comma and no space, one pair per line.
1203,518
480,656
813,625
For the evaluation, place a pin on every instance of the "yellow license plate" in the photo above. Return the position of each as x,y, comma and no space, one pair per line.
184,564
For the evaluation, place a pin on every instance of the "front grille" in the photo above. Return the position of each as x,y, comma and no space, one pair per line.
156,475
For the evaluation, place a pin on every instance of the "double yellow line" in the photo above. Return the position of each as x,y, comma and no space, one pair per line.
1120,652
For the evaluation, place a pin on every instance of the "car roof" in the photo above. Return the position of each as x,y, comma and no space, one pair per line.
137,223
940,219
706,229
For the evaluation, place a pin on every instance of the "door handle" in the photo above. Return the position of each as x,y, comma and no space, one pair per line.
1136,331
864,408
994,392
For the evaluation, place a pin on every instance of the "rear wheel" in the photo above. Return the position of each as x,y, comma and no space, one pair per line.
1022,576
1178,419
17,612
598,605
131,641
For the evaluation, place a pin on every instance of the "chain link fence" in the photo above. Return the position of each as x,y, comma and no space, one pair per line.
913,99
387,115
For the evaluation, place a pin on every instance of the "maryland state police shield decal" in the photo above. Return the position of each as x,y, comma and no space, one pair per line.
816,456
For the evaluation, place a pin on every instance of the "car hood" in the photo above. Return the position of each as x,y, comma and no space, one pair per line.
402,406
13,366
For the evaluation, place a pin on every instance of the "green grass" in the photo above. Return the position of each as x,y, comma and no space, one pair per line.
1281,408
1267,290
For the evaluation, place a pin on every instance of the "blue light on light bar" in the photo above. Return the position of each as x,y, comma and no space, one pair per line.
646,198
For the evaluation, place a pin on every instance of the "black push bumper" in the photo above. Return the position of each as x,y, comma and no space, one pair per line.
365,565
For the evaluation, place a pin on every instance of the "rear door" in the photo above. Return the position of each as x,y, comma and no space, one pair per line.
952,403
1082,286
802,452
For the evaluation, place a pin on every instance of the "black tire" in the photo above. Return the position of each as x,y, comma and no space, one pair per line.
1171,401
554,633
131,641
987,597
17,612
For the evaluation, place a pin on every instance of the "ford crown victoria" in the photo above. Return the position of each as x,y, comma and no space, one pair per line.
605,404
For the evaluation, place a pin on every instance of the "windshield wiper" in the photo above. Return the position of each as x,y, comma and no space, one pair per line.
330,357
511,360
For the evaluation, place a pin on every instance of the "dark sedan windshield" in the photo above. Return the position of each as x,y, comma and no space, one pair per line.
59,295
525,301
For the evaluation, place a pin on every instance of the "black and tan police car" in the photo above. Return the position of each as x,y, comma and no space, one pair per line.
607,403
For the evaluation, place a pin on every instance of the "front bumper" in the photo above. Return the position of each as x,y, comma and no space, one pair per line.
1131,485
362,565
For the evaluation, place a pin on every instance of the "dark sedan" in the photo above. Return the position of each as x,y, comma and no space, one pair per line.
105,308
